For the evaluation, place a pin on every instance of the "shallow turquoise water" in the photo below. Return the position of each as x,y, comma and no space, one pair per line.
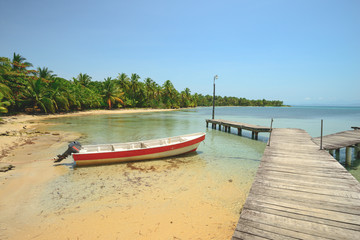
220,150
227,154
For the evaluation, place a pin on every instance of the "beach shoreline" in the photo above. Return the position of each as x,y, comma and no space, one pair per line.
18,129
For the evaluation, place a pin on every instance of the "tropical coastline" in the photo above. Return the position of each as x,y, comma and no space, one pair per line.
271,89
176,197
16,129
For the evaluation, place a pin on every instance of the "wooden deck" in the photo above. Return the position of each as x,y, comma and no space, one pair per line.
227,125
339,140
300,192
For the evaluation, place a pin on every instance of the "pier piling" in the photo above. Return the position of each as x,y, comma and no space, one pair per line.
348,156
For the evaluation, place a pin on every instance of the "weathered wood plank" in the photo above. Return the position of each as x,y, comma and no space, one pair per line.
310,183
336,208
312,210
270,231
349,221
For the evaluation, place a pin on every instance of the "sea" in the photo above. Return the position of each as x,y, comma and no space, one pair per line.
217,176
218,145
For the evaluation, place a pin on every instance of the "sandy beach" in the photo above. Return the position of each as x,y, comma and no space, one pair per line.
37,203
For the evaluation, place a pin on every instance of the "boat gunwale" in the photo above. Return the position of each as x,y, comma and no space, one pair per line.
200,134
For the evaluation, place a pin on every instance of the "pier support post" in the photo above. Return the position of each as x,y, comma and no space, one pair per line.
331,152
229,129
239,131
270,131
256,135
207,124
252,135
219,127
321,138
337,152
348,156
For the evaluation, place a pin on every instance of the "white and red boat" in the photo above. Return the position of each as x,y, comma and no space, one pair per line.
137,151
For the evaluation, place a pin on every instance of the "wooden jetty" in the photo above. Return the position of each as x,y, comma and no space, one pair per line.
300,192
346,139
227,125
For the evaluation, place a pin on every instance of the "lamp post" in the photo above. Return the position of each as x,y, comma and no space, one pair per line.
213,112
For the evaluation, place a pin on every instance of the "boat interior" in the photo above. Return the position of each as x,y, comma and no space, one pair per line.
133,145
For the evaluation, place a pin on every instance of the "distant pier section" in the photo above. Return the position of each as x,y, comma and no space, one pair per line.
227,125
346,139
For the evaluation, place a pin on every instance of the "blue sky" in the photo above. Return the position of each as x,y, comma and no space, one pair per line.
298,51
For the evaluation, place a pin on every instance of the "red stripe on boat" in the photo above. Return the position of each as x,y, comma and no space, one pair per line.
135,152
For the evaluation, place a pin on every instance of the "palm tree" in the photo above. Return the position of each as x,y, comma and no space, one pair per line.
60,93
38,95
170,94
134,87
150,86
134,84
186,98
111,92
18,63
123,81
83,97
45,73
83,79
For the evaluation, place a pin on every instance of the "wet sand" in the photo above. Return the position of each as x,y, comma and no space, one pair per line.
175,198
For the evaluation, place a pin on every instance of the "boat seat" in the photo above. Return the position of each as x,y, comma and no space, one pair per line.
175,140
135,146
119,147
105,148
89,149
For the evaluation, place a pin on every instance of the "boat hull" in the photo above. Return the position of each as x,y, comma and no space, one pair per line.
142,154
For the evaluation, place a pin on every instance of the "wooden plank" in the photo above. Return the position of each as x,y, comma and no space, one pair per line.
345,220
310,183
336,208
303,216
316,190
300,177
246,236
335,214
271,232
304,196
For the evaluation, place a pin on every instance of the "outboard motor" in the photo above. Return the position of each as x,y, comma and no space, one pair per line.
73,147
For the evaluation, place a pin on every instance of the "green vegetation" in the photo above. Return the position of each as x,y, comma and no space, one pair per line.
27,90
